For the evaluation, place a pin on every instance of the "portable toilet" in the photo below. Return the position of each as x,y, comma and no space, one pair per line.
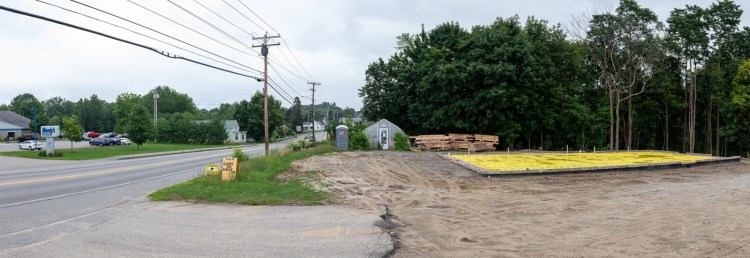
342,137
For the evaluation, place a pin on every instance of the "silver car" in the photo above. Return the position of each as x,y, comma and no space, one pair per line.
30,145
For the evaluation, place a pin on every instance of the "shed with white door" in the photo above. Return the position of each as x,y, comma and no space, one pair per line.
381,134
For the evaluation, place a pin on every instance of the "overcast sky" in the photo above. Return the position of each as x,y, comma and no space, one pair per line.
333,40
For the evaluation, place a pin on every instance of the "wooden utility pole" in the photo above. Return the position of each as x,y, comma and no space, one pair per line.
313,107
264,52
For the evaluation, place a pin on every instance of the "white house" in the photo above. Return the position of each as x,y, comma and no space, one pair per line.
306,126
233,131
234,135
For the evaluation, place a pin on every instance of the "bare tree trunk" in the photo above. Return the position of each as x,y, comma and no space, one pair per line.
693,96
617,122
718,137
611,121
629,142
666,126
709,133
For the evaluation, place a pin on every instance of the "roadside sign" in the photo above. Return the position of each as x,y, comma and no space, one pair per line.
228,169
50,131
212,169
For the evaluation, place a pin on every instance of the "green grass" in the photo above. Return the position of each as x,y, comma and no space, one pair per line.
108,151
256,183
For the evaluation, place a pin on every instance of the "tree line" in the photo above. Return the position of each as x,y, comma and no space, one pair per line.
132,113
618,80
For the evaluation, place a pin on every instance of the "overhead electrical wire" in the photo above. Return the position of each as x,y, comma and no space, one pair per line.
211,25
270,79
193,30
163,34
284,80
166,54
270,84
225,19
282,39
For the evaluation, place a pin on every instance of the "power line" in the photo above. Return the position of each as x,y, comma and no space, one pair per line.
282,89
211,25
166,54
243,15
163,34
277,32
191,29
222,17
284,80
271,83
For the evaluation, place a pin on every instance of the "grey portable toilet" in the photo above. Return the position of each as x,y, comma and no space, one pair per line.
342,137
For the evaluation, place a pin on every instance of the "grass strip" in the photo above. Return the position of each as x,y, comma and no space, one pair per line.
255,184
88,153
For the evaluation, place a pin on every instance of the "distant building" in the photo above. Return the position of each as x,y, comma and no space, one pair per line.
13,125
381,134
234,135
355,120
307,126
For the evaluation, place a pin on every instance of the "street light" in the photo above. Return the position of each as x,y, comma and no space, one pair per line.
33,109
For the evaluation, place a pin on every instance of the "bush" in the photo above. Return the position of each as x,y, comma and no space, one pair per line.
402,142
359,141
43,153
239,155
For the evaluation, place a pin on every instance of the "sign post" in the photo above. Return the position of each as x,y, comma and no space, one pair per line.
49,133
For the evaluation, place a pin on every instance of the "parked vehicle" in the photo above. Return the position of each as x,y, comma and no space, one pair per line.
125,141
99,142
250,140
30,145
25,137
114,141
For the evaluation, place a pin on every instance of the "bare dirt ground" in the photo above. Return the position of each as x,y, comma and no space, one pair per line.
443,210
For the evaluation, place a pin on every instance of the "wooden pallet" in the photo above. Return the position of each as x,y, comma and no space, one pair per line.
432,142
456,137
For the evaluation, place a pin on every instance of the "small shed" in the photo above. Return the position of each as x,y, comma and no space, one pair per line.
381,134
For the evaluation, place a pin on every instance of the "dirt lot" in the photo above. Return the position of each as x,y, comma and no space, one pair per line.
444,210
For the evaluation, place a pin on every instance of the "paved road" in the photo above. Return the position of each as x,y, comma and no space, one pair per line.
57,204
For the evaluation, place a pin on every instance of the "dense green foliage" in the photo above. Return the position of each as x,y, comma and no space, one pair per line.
402,142
358,141
624,80
255,184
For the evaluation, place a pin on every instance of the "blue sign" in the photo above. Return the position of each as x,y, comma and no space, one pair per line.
50,131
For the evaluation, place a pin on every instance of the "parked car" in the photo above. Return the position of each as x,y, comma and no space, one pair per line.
25,137
250,140
99,142
114,141
30,145
125,141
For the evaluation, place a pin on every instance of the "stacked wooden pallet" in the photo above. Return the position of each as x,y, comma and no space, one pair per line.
471,142
432,142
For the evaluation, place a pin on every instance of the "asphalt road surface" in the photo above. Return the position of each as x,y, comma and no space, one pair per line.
99,208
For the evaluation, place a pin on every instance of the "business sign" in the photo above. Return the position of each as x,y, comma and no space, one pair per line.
212,169
228,169
50,131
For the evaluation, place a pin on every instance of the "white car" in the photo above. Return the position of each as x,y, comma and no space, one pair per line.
125,141
30,145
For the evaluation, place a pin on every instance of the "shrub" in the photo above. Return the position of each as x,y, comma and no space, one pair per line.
402,142
239,155
359,141
43,153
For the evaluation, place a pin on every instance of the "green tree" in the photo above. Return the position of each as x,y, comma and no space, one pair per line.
72,130
58,106
95,114
249,114
294,114
359,141
139,125
123,107
170,101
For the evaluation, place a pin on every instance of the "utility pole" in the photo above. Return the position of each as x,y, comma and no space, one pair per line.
313,107
264,52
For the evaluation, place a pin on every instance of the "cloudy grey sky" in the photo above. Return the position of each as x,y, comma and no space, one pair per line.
333,40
